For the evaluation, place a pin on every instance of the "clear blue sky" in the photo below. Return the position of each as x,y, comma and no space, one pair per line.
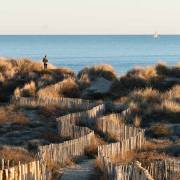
89,16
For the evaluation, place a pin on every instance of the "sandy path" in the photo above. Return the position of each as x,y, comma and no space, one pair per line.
83,170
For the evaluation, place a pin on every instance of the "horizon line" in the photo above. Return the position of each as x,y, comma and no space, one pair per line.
168,34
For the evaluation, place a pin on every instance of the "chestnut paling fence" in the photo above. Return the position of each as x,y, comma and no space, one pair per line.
45,101
56,153
129,139
32,170
67,127
164,169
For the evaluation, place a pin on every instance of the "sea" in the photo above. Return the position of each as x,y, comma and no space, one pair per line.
123,52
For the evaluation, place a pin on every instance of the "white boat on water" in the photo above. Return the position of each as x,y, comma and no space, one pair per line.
156,35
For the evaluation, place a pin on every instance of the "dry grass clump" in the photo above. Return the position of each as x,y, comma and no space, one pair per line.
44,80
7,70
54,166
135,79
143,73
14,155
51,137
84,81
154,106
64,71
160,77
18,73
66,88
156,145
173,94
1,77
164,70
161,68
170,106
26,65
147,94
137,121
92,150
52,76
150,151
28,90
70,89
9,114
127,157
90,73
125,85
160,130
144,101
52,111
150,156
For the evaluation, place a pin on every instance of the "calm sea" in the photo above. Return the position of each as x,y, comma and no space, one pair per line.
122,52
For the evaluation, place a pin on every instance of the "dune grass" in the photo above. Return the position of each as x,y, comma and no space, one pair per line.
66,88
155,106
88,74
10,114
14,155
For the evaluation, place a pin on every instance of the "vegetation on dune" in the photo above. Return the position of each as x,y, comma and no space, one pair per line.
155,106
25,77
29,78
160,130
152,95
140,78
28,90
65,88
89,74
151,151
104,70
11,115
10,67
15,155
164,70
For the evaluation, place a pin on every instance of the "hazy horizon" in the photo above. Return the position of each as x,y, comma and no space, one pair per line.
87,34
89,17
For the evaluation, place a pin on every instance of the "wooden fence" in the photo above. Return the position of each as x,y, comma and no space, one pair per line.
85,118
63,102
133,171
164,169
119,148
60,153
67,127
129,139
158,170
114,126
30,171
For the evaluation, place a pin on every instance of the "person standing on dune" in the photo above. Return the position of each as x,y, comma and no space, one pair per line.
45,61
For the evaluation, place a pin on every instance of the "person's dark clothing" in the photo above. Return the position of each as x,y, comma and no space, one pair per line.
45,61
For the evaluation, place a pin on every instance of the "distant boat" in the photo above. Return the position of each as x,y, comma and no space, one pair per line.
156,35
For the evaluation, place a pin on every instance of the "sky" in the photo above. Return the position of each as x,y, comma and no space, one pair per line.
89,16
